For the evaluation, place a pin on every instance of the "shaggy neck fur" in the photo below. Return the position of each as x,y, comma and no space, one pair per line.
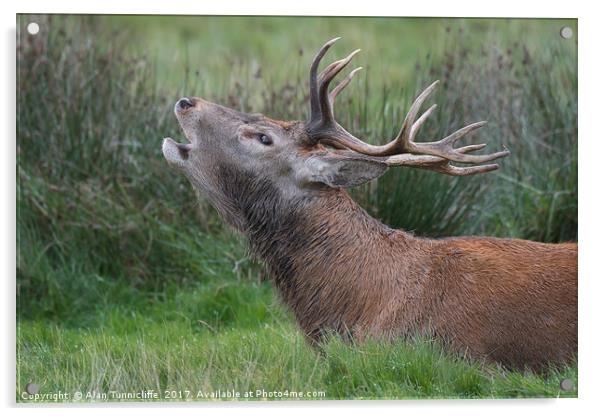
336,267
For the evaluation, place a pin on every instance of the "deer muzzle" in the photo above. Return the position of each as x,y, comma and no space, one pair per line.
185,103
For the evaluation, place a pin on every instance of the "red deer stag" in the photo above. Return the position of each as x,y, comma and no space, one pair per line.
282,184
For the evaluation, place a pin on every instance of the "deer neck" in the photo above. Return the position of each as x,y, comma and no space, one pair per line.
324,254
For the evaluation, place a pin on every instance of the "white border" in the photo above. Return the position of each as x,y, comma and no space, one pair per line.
462,8
590,149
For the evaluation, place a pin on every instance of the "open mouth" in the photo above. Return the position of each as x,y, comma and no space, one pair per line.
174,151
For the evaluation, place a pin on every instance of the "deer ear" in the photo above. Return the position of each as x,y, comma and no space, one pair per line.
341,171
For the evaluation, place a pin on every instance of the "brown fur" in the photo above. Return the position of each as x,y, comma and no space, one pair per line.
510,301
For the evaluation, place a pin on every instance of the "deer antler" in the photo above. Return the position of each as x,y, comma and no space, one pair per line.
402,151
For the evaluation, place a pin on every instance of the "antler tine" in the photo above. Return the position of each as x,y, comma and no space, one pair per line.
403,140
335,92
471,148
321,102
466,171
313,79
416,126
324,80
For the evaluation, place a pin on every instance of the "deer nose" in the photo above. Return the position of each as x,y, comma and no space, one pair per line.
185,103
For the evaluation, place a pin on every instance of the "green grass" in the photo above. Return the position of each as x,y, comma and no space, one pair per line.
126,281
255,346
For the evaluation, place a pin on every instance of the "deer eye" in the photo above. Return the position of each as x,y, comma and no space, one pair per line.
263,139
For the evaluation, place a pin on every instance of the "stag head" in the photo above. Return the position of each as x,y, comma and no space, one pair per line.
230,154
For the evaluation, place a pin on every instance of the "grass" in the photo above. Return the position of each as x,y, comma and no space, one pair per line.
125,281
137,352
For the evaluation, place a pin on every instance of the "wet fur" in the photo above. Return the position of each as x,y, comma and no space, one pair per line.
508,301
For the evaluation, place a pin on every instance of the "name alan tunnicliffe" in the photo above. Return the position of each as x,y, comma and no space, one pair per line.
118,395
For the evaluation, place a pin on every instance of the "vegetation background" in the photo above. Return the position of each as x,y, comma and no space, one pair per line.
125,281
